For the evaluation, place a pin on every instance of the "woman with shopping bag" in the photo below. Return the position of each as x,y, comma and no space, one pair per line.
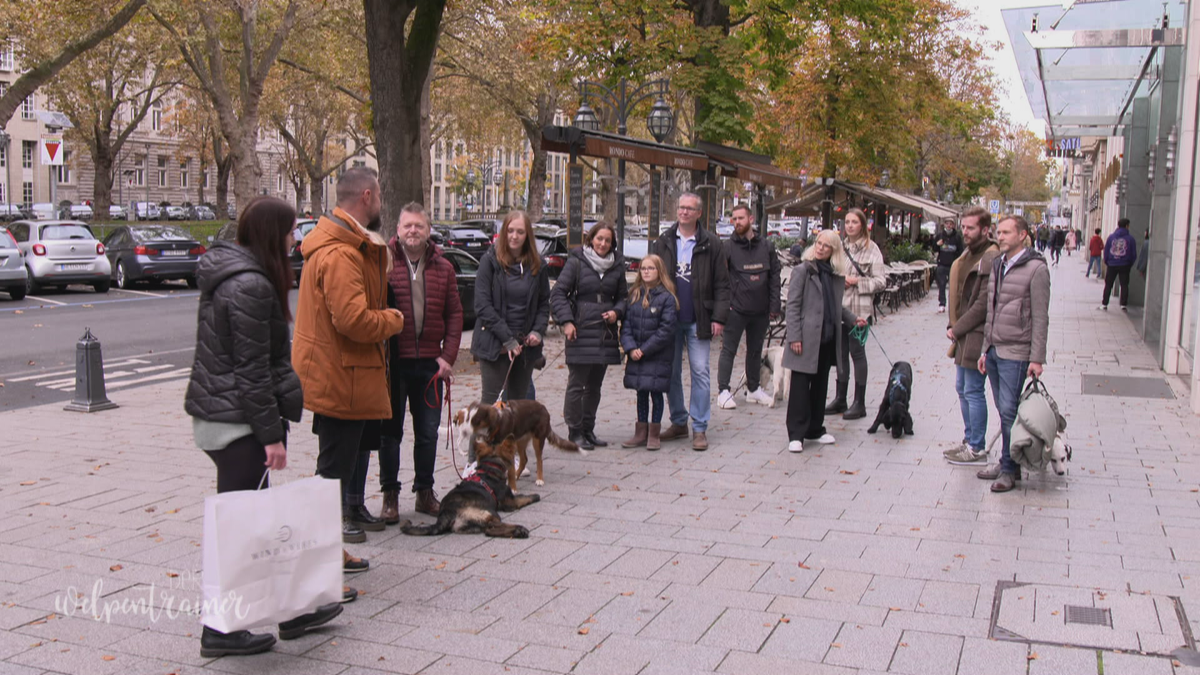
243,390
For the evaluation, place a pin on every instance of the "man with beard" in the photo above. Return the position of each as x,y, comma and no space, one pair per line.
754,299
947,248
340,342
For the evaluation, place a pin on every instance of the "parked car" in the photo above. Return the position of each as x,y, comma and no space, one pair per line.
203,213
465,268
76,212
144,211
43,211
13,277
554,252
152,253
10,212
472,241
724,230
61,252
488,226
303,227
117,212
176,213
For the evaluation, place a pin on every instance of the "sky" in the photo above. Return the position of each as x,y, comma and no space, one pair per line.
987,13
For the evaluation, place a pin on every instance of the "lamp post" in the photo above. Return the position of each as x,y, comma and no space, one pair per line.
5,140
621,102
487,174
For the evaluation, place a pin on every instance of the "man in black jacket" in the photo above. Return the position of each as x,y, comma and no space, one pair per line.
948,247
696,262
754,301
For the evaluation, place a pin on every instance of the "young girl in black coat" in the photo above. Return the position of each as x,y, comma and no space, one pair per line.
648,338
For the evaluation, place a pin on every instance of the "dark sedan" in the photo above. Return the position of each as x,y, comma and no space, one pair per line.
473,242
554,252
465,268
152,253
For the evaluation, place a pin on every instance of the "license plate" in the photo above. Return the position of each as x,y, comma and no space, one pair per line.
72,268
174,253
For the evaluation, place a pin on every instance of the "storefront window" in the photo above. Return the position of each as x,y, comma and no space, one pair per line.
1191,308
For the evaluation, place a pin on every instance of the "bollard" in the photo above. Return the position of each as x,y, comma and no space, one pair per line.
89,377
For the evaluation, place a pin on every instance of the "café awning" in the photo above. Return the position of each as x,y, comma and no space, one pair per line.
606,145
749,167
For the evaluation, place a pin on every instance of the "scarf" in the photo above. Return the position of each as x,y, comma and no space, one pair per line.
958,275
832,313
601,265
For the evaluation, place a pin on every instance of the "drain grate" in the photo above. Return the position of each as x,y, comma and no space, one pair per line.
1089,616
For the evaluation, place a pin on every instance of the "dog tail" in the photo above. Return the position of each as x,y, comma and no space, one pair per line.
442,526
563,444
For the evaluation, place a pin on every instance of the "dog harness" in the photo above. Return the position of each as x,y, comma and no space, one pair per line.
897,384
477,478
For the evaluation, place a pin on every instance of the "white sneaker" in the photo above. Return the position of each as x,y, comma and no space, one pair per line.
759,396
824,440
725,400
953,452
795,446
942,309
1103,307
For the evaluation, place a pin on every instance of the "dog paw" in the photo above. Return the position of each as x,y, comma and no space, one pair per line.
539,482
520,532
533,499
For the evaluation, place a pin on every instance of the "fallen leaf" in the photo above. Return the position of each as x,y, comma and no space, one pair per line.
1032,657
627,593
172,574
584,631
109,657
895,609
830,589
903,644
173,511
1054,613
803,566
848,473
441,566
616,488
115,568
836,645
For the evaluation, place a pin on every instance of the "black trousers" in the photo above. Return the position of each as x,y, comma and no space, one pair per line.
852,351
412,389
755,327
806,399
942,274
240,465
344,452
1115,272
492,375
584,382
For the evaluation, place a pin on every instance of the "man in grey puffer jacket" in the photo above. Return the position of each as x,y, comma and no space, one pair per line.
1014,336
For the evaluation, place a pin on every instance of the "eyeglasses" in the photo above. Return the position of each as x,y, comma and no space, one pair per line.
689,208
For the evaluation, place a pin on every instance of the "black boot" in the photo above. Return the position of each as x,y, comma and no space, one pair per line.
360,516
579,439
839,403
290,630
590,435
351,533
859,409
214,644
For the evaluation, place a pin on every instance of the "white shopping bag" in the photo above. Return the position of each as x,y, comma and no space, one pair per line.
271,555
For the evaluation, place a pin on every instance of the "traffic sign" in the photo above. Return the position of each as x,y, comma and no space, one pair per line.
52,149
994,207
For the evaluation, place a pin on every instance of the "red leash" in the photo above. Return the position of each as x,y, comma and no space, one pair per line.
447,400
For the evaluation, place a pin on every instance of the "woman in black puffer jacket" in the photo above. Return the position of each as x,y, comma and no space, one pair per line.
587,301
243,389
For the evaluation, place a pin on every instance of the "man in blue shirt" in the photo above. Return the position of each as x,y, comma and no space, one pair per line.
1120,253
696,261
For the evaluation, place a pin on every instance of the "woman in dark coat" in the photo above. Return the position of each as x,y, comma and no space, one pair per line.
243,389
648,338
587,301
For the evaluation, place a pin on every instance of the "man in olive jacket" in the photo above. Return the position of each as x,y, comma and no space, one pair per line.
1014,338
967,316
695,260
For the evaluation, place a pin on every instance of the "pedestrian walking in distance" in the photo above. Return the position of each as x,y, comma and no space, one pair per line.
425,289
587,301
1014,337
243,390
947,248
1057,241
340,346
754,303
695,263
814,317
1072,242
1095,254
864,278
512,306
1120,254
648,338
964,328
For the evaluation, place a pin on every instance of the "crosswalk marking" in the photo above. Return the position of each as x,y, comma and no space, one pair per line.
180,372
117,375
39,376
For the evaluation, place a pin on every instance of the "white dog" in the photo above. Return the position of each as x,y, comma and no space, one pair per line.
460,428
774,372
1060,452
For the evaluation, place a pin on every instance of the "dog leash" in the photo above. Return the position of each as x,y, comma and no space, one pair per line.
449,424
511,362
861,333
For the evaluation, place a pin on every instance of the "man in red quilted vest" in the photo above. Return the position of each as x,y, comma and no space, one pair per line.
424,283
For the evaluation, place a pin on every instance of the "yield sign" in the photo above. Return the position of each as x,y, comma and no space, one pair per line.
52,150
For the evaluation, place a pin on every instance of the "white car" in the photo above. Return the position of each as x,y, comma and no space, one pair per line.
61,252
43,211
117,212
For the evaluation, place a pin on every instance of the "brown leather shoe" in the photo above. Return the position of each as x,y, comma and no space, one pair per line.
699,441
639,436
652,437
1005,482
391,507
673,432
427,503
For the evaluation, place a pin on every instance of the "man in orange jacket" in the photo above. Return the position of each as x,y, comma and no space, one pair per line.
339,346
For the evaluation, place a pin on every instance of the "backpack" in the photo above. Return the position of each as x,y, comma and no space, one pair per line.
1038,424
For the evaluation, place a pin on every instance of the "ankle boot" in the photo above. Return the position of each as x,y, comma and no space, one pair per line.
839,403
652,440
639,436
391,507
214,643
859,409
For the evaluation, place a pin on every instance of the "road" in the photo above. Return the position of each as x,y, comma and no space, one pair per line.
147,335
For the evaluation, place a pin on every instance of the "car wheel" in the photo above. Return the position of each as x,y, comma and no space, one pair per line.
31,287
193,282
123,280
102,287
17,292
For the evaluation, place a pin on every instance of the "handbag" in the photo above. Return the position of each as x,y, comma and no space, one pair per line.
271,555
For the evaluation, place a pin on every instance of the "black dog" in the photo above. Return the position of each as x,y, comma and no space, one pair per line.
893,410
474,504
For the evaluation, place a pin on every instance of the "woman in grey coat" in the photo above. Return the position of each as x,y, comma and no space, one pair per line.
814,318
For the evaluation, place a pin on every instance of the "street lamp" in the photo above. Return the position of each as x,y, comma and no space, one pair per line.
885,178
4,141
621,102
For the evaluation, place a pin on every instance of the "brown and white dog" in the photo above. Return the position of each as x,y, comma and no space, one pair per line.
525,421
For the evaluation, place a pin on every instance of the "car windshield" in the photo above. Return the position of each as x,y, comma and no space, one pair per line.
161,234
65,232
465,263
465,233
6,240
545,245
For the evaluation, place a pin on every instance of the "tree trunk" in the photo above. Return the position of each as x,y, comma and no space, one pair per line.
200,186
316,200
223,169
244,161
102,180
399,61
426,145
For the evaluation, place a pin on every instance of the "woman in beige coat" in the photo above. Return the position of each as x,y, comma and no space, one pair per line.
864,279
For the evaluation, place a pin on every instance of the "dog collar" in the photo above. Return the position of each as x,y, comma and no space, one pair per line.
477,478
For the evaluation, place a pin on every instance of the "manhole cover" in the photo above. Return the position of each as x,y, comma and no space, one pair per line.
1084,617
1126,387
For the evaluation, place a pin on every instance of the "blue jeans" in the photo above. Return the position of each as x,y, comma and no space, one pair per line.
1008,379
969,384
701,405
1093,260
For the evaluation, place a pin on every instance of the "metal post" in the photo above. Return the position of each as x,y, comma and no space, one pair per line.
146,180
89,377
7,141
